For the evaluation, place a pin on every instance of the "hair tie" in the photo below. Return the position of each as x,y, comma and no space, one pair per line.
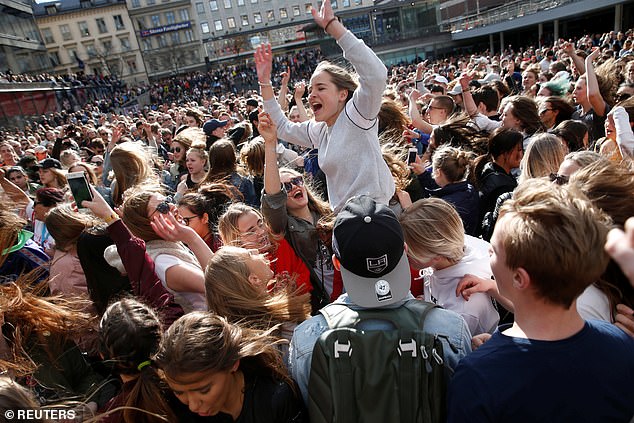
144,364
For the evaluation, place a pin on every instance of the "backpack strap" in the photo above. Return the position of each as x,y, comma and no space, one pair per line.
339,316
342,352
408,369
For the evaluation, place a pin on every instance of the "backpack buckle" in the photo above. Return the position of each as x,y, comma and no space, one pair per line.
407,347
340,347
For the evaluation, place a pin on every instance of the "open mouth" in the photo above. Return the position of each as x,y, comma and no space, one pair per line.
298,195
316,107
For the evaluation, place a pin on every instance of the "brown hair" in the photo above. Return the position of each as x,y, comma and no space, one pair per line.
222,161
557,235
343,79
453,162
135,213
14,396
131,167
129,334
252,156
66,225
89,170
205,342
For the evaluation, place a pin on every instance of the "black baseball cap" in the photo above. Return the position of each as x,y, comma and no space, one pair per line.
368,242
50,163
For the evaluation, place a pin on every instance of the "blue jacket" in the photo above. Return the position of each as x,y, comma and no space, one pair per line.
465,198
442,322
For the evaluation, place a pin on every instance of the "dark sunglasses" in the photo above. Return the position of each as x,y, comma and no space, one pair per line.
297,181
176,150
163,207
558,179
97,163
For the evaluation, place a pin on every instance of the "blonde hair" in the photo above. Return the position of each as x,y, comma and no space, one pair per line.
228,223
433,226
231,294
556,234
89,170
543,156
454,162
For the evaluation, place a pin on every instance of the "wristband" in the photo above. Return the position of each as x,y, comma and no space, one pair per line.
111,218
329,22
265,84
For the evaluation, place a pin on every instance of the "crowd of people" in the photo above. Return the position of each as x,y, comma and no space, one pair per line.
224,230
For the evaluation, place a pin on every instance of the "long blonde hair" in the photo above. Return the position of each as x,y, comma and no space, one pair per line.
131,167
231,294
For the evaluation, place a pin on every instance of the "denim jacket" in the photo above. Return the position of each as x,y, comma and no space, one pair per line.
442,322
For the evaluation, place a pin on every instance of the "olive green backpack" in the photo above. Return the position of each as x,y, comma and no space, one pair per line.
377,375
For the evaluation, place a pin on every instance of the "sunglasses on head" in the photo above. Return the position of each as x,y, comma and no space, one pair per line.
297,181
558,179
163,207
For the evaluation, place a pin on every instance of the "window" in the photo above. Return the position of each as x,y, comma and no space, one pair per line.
346,3
150,2
189,35
90,49
72,54
118,22
334,4
357,2
147,44
176,38
85,4
131,65
170,18
257,17
240,2
307,8
107,46
254,1
204,27
162,41
231,23
125,44
51,10
156,20
227,4
213,5
47,34
296,11
83,29
136,3
200,8
54,58
245,20
283,13
270,15
65,31
184,14
218,25
101,26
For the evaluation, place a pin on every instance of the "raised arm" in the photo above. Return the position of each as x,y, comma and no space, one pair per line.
281,98
577,61
592,86
298,94
274,199
414,114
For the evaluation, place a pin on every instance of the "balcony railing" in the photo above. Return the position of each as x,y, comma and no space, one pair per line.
502,13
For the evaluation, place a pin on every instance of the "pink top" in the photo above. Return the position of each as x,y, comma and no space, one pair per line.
67,276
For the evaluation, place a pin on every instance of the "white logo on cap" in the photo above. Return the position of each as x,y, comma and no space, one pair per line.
378,264
383,291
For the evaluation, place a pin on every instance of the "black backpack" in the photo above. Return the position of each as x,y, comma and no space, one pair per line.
377,375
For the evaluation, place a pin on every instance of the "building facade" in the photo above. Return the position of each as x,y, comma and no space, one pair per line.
21,47
93,36
168,37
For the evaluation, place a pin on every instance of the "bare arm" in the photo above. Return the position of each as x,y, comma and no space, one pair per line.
414,114
594,95
268,130
300,89
467,98
282,97
577,61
